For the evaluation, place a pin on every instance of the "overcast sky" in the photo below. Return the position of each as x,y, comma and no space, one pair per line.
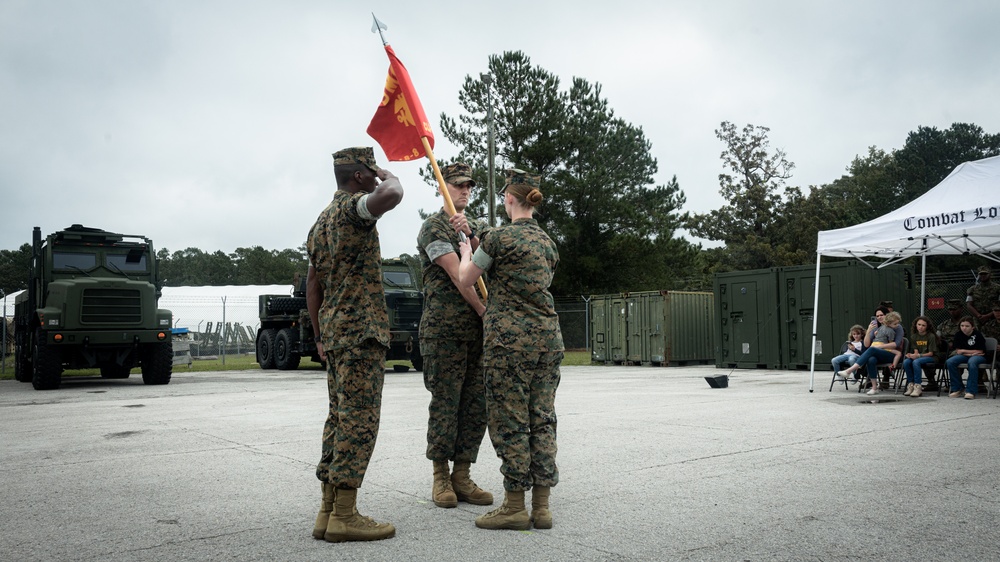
210,124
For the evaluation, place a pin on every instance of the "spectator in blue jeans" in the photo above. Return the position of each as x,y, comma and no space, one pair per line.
969,347
923,346
850,351
883,348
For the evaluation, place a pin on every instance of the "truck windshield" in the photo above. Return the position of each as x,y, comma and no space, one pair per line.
397,278
74,261
119,262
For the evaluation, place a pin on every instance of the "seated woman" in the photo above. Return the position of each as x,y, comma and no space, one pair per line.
882,348
850,351
923,346
969,347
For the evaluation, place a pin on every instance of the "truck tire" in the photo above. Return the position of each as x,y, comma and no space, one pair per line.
286,305
115,371
47,364
265,348
286,358
157,362
22,356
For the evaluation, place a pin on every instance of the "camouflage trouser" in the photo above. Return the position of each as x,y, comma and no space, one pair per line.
520,401
453,373
354,377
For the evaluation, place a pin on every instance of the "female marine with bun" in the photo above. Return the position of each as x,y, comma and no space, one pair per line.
522,350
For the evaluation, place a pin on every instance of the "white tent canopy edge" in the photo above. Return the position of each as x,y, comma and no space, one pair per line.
959,216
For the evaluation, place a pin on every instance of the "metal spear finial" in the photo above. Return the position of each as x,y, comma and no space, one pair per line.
379,27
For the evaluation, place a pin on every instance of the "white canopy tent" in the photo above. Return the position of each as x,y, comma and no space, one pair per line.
959,216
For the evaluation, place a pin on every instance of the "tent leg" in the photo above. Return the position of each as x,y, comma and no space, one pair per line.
923,283
812,352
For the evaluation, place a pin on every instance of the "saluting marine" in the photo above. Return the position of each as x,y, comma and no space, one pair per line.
347,307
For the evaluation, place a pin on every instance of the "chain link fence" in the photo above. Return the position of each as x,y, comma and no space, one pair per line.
574,321
217,325
940,288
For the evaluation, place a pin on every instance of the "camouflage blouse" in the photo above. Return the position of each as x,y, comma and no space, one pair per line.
446,313
344,250
520,312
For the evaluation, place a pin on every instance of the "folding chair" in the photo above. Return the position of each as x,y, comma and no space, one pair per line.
986,369
833,381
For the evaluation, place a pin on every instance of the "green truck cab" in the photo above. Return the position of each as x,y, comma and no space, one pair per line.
91,302
285,334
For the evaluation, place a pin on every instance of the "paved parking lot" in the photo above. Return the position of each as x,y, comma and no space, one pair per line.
655,465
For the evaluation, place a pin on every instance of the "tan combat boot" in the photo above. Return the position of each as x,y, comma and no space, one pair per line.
325,509
442,494
510,515
346,524
540,514
465,489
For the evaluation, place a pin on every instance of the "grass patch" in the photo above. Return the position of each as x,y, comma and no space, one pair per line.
576,357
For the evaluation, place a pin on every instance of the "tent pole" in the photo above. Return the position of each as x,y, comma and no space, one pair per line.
812,354
923,283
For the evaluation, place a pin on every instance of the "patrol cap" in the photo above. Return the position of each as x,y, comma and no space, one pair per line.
984,269
363,155
954,304
515,177
458,173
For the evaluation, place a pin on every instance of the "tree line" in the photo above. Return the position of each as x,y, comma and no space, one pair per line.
616,229
245,266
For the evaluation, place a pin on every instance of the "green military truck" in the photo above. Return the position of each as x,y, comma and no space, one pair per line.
285,335
91,302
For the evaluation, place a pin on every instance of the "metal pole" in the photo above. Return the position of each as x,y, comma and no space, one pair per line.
3,353
923,284
491,192
222,336
586,323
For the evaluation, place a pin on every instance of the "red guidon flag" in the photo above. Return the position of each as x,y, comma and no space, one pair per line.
399,122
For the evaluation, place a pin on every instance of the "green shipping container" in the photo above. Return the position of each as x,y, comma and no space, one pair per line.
617,330
607,328
652,327
748,326
600,341
686,335
849,291
765,316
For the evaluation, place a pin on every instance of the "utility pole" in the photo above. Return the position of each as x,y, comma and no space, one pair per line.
491,191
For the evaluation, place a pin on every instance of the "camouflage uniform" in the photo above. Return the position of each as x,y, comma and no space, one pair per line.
522,350
983,296
991,328
344,250
451,342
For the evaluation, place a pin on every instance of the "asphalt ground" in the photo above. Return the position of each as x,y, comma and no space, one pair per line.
654,465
